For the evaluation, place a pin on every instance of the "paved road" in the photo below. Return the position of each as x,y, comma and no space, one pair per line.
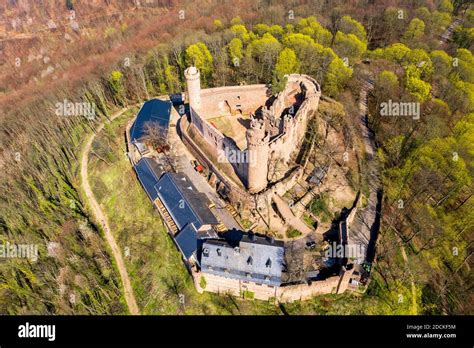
102,219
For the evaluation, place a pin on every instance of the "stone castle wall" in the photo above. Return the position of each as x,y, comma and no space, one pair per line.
284,294
235,287
220,143
294,128
288,131
225,101
235,193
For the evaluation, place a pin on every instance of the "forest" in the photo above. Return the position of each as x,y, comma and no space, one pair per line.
130,53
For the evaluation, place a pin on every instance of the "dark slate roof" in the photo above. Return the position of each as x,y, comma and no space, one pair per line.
189,240
184,202
256,259
154,110
149,173
318,174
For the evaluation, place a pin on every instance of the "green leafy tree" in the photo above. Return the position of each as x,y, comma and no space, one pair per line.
277,31
414,32
264,49
423,13
386,82
464,95
419,58
464,37
289,28
198,55
442,62
395,53
298,41
336,77
235,48
314,58
464,133
260,29
240,31
446,6
218,24
348,25
393,24
436,22
278,82
116,84
386,87
415,85
311,27
349,45
465,65
387,79
439,22
236,20
287,62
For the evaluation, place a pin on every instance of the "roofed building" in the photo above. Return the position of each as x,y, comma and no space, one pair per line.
184,209
190,241
149,173
255,265
155,110
184,202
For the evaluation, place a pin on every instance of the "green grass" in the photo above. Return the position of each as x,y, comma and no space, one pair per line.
293,233
248,294
319,207
202,282
246,223
308,220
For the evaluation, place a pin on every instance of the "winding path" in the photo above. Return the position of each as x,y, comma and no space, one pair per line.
367,220
102,219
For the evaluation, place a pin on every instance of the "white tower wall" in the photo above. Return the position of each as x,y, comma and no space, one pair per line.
194,87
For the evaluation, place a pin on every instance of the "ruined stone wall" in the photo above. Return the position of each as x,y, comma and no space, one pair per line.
221,144
283,98
235,193
225,101
210,133
280,188
294,128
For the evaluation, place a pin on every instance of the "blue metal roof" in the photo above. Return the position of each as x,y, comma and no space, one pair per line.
149,173
189,240
256,259
184,202
177,206
154,110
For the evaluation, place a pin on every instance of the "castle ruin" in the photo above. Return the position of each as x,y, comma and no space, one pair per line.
248,138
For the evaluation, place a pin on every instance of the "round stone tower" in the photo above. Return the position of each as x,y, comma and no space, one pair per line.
257,155
194,87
